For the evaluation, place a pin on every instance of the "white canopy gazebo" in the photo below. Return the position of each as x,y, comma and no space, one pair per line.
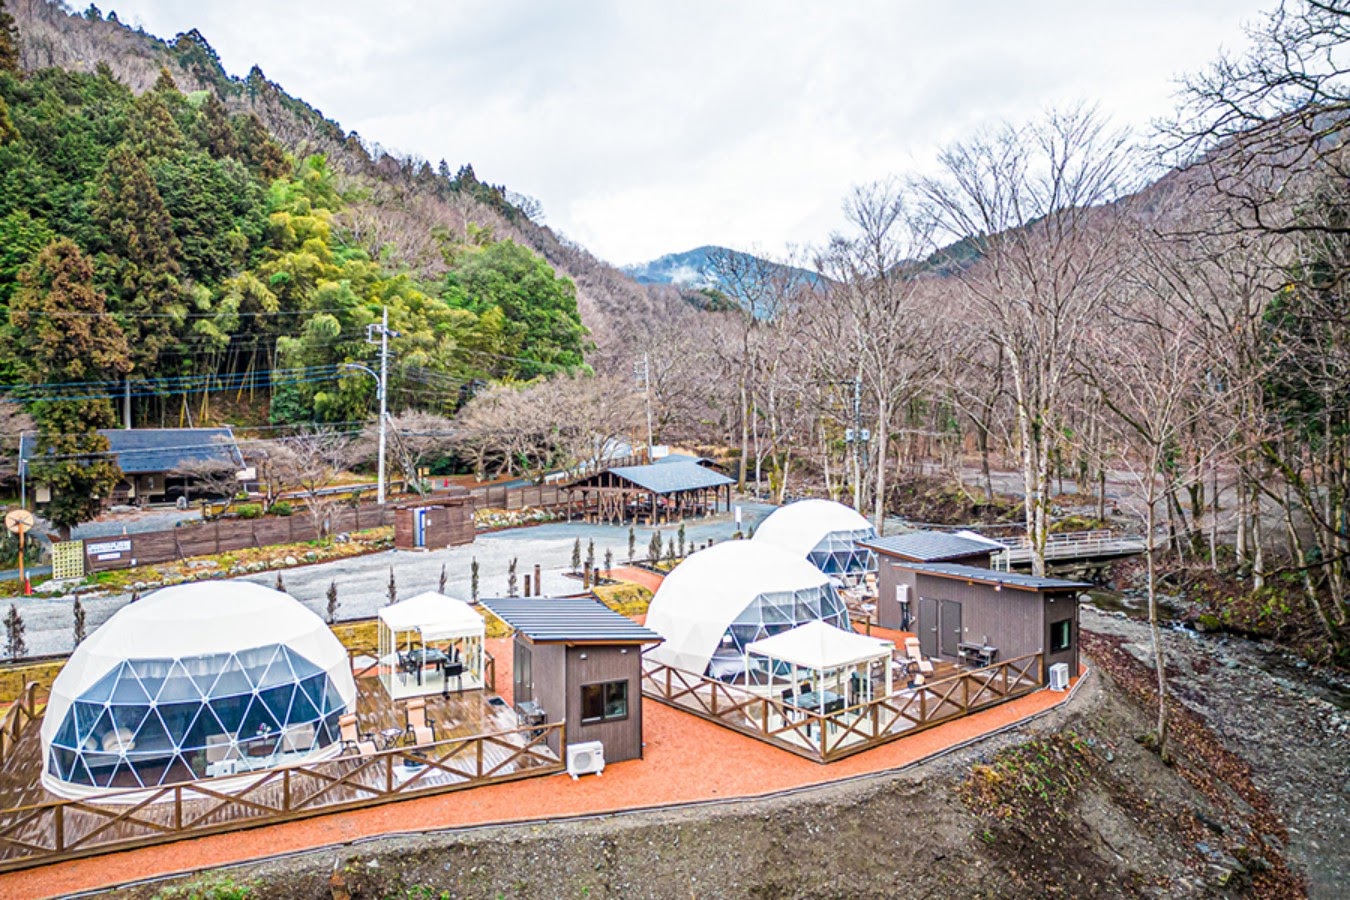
826,657
427,642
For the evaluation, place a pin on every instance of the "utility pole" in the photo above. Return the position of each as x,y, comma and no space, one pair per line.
380,380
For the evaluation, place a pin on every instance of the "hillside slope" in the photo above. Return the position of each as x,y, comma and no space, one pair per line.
402,201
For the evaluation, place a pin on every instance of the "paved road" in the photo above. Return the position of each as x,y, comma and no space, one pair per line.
363,581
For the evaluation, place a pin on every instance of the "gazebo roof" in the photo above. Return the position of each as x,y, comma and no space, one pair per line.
435,615
819,645
664,478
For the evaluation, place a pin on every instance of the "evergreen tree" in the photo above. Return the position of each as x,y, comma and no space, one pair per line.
670,550
473,580
393,588
511,579
281,585
9,42
654,548
440,587
576,556
15,645
63,336
609,562
79,621
632,543
681,535
140,262
216,133
333,604
590,556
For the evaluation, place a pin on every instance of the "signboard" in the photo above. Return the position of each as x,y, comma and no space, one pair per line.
109,549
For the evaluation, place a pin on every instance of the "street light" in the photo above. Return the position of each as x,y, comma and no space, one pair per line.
379,392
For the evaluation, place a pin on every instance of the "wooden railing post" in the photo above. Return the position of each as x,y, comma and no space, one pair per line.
478,752
59,827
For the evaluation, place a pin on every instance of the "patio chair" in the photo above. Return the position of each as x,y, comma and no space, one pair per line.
912,648
352,740
421,729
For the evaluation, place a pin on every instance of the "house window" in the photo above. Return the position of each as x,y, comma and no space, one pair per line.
1061,635
604,702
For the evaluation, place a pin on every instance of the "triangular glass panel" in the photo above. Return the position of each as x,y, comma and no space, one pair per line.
178,770
101,691
231,682
178,686
302,709
151,673
152,734
254,662
230,711
278,672
128,691
302,667
178,719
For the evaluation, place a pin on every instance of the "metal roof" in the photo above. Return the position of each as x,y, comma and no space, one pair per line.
991,576
682,457
141,450
669,478
930,546
569,620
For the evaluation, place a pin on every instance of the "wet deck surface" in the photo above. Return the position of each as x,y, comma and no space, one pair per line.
27,825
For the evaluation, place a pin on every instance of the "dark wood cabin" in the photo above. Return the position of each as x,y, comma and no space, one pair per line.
652,494
156,463
431,523
977,616
896,606
579,662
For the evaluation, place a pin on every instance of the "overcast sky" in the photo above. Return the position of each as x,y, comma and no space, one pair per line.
647,128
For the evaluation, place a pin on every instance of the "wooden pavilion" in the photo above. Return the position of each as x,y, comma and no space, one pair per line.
653,494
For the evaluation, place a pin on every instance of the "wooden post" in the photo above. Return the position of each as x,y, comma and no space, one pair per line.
538,583
527,585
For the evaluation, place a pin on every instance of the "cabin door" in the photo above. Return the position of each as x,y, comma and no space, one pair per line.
949,623
928,626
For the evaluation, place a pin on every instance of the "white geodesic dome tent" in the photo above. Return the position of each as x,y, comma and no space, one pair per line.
193,681
721,599
823,532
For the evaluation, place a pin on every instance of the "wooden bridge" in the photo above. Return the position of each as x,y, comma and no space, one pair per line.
1081,550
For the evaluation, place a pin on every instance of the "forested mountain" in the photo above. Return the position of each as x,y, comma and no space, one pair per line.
404,212
698,268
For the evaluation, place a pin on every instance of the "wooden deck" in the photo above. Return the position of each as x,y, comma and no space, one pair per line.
477,741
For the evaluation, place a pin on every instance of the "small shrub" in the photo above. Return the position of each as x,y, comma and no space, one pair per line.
282,508
248,511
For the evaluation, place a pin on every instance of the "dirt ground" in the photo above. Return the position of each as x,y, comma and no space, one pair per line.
1070,805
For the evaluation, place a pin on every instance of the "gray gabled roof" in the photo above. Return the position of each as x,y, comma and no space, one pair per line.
991,576
142,450
682,457
669,478
930,546
569,620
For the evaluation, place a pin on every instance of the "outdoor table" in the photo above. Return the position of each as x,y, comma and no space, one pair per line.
814,700
390,736
420,658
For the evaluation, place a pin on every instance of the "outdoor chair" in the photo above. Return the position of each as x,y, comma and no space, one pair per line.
421,729
912,648
352,740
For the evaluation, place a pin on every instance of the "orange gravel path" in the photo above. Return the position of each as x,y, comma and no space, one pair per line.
632,574
687,759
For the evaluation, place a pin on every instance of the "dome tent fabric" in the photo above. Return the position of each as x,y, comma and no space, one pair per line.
824,532
721,599
190,676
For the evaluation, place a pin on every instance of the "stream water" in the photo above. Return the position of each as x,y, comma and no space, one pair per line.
1330,685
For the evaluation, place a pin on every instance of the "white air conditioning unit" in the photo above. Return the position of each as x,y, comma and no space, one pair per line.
1059,677
584,758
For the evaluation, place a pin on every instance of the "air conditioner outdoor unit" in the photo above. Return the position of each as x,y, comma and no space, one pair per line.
585,757
1059,677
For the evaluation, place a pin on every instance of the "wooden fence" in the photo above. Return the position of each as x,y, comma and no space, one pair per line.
20,714
529,496
223,536
68,829
829,737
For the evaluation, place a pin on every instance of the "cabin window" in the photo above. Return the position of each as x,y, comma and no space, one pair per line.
604,702
1061,635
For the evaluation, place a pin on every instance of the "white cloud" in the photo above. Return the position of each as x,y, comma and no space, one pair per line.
653,128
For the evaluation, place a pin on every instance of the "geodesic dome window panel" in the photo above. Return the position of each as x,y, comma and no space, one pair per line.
840,554
773,613
149,722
